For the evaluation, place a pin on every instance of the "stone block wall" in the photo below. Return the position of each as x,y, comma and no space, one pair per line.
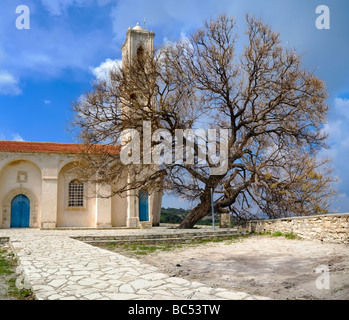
225,221
331,228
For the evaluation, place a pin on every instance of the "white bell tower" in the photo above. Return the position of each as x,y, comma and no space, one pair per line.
137,39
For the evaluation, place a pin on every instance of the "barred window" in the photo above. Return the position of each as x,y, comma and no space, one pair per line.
76,194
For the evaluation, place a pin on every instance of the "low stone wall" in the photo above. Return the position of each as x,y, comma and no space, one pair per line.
331,228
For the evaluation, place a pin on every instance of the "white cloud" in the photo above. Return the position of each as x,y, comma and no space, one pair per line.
102,71
17,137
333,129
337,127
58,7
55,45
47,102
104,2
8,84
345,143
341,106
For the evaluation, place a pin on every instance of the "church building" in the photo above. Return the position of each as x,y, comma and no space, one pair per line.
39,187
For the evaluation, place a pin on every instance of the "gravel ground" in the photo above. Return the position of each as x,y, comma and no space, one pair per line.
275,267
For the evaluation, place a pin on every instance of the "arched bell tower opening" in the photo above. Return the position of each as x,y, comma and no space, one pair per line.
140,53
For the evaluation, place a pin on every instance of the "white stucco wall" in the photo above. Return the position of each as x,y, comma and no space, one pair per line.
118,211
74,217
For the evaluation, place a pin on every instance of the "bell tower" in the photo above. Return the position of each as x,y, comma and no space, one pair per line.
137,40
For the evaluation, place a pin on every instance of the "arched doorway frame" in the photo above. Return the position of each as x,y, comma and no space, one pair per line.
6,207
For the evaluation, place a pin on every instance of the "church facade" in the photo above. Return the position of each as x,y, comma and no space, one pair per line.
39,187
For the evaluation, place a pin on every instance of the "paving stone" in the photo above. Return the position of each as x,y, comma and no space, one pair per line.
115,282
55,297
94,296
157,283
144,292
87,282
57,283
126,288
69,298
161,292
102,285
121,296
232,295
179,281
154,276
140,284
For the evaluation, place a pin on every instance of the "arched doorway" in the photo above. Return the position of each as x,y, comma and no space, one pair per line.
143,206
20,211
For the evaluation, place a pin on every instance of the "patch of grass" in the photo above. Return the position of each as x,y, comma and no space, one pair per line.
290,236
261,233
5,264
20,294
144,249
8,264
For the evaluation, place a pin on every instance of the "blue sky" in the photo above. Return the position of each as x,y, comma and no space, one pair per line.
71,42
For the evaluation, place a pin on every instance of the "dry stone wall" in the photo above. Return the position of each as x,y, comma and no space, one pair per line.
332,228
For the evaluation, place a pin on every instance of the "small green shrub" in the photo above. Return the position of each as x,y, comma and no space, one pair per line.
290,235
268,233
277,234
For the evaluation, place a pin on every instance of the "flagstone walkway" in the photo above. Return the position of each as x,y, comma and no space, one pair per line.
57,267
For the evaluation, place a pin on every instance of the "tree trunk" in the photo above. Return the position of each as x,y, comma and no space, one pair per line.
199,212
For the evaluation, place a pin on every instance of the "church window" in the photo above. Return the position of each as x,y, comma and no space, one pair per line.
76,194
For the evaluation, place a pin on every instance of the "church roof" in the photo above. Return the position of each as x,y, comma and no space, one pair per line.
51,147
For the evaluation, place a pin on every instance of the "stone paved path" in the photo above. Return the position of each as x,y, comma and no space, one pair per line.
58,267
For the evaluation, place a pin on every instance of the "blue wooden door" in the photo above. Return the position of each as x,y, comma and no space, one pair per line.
20,212
143,206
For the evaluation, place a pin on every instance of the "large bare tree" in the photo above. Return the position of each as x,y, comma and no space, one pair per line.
272,108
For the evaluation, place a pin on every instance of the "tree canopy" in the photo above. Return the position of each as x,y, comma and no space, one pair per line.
257,92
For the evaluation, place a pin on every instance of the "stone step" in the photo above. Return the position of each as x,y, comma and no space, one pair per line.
151,239
159,235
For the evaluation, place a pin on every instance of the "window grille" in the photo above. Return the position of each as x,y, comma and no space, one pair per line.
76,194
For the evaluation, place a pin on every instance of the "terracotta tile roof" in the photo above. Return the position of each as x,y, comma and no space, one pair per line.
51,147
